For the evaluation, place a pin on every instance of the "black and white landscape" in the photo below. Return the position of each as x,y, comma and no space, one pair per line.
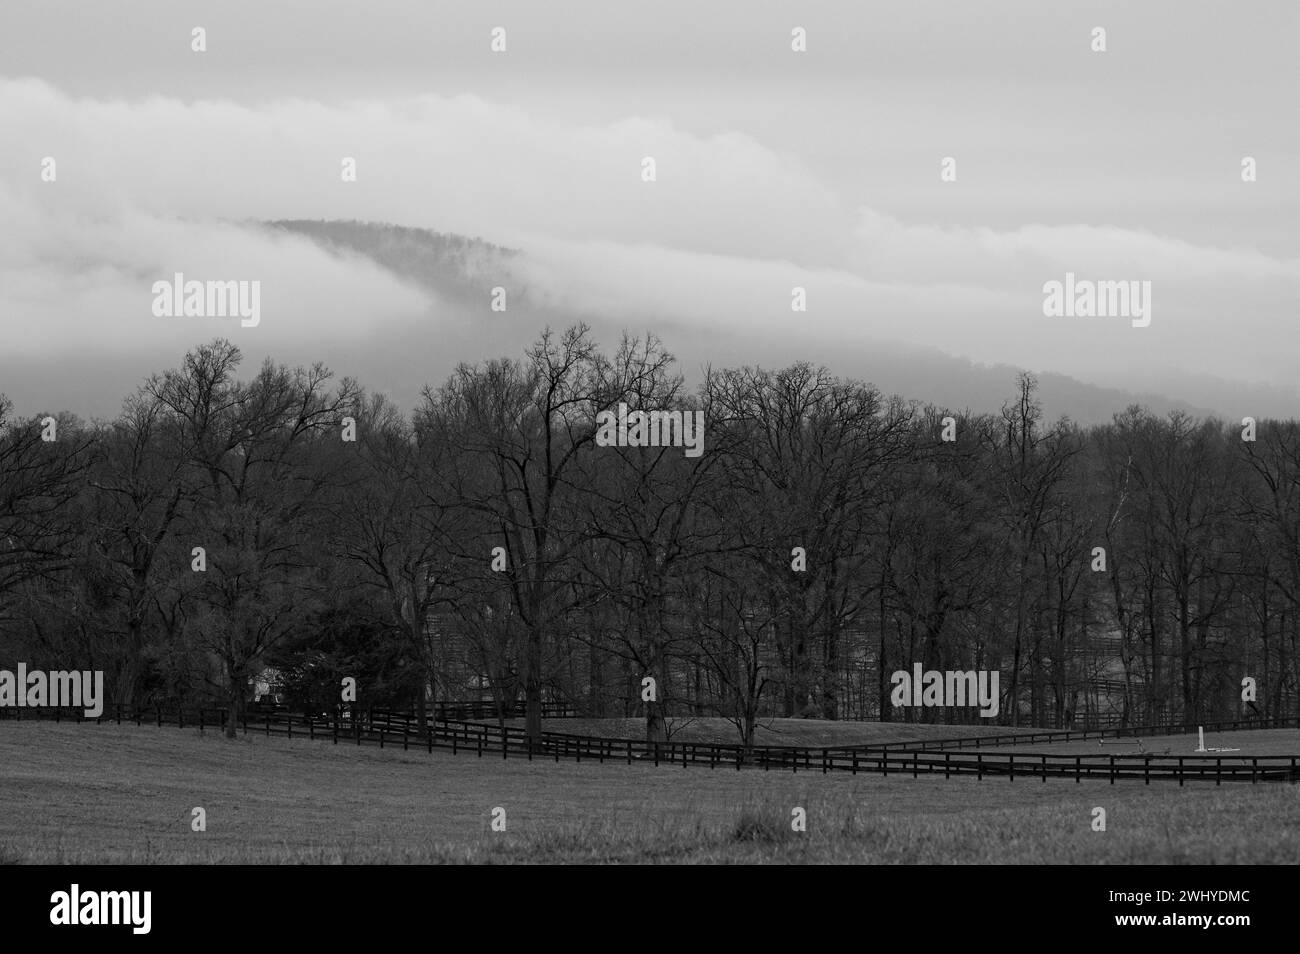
730,432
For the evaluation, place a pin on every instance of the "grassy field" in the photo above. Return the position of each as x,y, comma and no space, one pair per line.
770,731
90,794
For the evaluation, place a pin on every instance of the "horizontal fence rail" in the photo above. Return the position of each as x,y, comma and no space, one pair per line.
383,727
471,710
1077,735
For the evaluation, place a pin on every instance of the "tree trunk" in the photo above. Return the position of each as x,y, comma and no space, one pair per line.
533,686
1015,679
234,700
831,679
656,728
882,665
1154,691
595,683
882,681
422,712
1185,645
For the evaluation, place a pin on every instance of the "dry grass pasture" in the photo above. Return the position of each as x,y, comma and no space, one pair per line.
107,793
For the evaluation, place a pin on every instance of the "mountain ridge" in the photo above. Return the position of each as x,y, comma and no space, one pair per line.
464,270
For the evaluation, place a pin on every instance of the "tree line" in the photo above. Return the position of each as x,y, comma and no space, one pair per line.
484,545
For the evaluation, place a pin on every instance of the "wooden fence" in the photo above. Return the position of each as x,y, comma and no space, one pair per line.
472,709
1076,735
384,727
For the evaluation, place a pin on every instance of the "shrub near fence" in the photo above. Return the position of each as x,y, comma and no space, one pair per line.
387,727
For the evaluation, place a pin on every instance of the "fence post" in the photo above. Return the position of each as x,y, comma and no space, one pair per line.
1078,764
505,743
1112,770
311,727
1012,764
947,768
979,766
629,751
1218,771
1146,770
289,718
1180,771
915,757
824,755
200,720
119,713
1254,767
855,761
1044,769
268,724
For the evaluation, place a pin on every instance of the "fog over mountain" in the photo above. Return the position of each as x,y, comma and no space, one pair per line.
776,170
461,273
445,283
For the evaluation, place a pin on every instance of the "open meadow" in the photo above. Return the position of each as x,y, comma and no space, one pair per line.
124,794
1256,742
805,732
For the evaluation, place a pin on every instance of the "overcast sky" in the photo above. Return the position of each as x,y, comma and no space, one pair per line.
774,169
